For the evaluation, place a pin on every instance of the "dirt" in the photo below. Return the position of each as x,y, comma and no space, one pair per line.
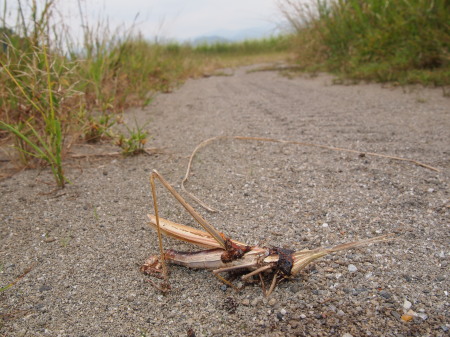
84,244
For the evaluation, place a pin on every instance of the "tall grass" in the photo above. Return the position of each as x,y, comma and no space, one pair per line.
405,41
274,44
55,92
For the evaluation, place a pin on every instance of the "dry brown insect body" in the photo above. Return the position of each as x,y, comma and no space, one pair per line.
225,254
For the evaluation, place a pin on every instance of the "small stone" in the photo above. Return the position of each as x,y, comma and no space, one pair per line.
295,288
324,225
430,190
347,335
385,294
395,314
279,316
340,313
302,316
294,323
283,311
39,306
272,301
45,288
223,287
407,305
352,268
254,302
407,318
422,315
105,173
246,302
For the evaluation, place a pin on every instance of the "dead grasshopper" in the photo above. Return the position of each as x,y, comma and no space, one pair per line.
225,254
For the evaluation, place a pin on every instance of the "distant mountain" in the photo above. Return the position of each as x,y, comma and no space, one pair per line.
209,40
223,35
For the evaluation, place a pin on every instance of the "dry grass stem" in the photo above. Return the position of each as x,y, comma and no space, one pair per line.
273,140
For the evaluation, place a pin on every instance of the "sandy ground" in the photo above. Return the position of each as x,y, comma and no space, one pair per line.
85,243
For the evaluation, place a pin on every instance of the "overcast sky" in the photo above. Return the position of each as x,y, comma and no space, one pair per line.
168,19
183,19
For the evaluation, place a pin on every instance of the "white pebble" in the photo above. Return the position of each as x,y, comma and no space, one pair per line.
283,311
422,315
302,316
407,304
324,225
347,335
352,268
430,190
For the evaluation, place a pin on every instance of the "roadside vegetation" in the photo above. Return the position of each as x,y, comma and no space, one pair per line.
404,41
56,93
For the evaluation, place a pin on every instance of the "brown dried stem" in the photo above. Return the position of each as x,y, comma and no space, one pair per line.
273,140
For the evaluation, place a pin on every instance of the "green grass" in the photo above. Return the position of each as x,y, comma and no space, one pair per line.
404,41
56,92
274,44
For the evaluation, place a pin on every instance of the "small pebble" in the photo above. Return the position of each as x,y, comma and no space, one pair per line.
283,311
272,301
324,225
407,318
294,323
341,313
407,305
246,302
302,316
223,287
255,302
352,268
385,294
395,314
295,288
347,335
45,288
430,190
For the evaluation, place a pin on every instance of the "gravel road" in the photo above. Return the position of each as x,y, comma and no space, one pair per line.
84,244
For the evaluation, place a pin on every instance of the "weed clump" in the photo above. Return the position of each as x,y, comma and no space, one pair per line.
397,41
56,92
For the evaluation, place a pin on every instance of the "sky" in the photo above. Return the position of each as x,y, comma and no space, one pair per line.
183,20
189,19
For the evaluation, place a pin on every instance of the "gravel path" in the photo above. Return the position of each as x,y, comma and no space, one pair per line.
85,243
